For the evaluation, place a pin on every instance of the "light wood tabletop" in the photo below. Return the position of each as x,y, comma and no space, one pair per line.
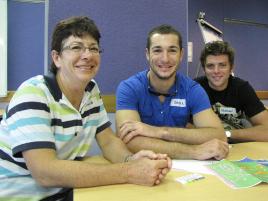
210,188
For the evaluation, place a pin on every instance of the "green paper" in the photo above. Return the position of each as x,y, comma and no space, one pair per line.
240,174
255,169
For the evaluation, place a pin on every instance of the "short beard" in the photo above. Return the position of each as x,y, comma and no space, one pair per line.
161,77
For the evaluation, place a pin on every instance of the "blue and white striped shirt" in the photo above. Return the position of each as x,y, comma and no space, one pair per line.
40,116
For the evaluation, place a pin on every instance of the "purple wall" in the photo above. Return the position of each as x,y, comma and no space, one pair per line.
250,42
25,42
124,25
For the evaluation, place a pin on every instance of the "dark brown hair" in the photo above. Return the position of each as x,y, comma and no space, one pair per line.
74,26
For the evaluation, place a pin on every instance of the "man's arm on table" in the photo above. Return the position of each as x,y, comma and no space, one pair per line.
258,131
207,127
140,136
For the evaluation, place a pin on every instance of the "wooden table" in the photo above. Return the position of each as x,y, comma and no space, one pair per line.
208,189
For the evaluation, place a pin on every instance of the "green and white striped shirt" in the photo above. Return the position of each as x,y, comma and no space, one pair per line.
40,116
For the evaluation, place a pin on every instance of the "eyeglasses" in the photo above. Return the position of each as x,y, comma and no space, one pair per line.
80,48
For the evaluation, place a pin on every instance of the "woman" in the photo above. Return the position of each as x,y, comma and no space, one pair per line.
52,120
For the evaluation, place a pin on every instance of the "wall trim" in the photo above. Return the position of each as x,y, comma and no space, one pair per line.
262,94
109,100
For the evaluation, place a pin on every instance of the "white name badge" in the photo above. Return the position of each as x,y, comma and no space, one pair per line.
178,102
227,110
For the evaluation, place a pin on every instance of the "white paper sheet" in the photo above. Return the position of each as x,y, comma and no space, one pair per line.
194,166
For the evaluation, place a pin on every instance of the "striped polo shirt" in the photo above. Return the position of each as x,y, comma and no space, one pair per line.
40,116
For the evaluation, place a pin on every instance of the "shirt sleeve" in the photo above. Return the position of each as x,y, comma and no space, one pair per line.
250,103
198,99
104,121
28,121
96,100
126,98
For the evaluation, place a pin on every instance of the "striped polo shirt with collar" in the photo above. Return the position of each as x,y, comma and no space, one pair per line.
40,116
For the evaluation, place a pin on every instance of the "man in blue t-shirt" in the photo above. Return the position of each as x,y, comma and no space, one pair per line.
154,106
234,100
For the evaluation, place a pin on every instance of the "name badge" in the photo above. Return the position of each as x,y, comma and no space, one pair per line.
178,103
227,110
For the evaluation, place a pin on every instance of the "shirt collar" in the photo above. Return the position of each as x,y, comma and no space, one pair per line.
54,88
172,91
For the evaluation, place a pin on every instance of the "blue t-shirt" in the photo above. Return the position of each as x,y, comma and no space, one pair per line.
186,98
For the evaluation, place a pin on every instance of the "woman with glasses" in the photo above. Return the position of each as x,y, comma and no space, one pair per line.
52,120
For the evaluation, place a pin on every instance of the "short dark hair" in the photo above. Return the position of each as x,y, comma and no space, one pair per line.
163,29
73,26
217,48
